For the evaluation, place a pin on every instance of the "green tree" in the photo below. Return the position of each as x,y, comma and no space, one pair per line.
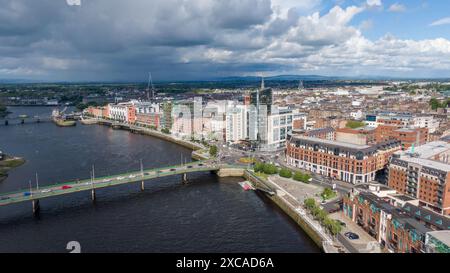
353,124
270,169
213,150
259,167
285,173
435,104
302,177
328,194
309,203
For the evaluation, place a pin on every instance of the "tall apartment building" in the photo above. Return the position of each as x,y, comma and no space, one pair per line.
424,173
343,161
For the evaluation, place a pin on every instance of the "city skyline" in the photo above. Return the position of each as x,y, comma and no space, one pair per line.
200,40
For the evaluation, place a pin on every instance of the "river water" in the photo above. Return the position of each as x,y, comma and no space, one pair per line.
209,214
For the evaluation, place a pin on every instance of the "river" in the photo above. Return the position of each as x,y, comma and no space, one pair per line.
209,214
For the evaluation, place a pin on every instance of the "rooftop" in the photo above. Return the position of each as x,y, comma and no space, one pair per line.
442,235
330,142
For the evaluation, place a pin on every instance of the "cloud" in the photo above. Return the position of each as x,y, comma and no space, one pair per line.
74,2
443,21
200,39
396,7
373,3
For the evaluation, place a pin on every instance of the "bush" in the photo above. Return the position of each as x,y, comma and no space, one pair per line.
213,150
270,169
265,168
285,173
328,194
302,177
310,203
165,131
259,167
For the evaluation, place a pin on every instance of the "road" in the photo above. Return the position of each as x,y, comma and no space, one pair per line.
102,182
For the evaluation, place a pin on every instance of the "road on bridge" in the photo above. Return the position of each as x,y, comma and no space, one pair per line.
102,182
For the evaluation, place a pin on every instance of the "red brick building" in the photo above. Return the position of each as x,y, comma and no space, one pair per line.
343,161
424,174
407,136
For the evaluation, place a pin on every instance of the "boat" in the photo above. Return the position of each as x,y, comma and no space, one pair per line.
61,120
246,186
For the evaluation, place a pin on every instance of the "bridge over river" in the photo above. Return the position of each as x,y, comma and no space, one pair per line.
35,194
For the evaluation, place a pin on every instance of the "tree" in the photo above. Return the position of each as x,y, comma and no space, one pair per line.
213,150
328,193
285,173
310,203
259,167
302,177
270,169
435,104
353,124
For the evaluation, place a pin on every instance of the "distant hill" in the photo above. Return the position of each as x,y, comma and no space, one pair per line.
280,78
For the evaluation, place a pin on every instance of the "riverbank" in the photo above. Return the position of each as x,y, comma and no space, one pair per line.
197,149
8,164
295,211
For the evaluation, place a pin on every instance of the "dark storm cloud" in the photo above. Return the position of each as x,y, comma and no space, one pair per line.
191,39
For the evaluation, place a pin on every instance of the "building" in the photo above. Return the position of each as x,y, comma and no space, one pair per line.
343,161
327,133
423,173
438,242
118,112
398,226
389,225
359,136
235,123
407,136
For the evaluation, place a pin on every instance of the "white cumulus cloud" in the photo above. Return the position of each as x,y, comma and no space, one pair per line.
73,2
443,21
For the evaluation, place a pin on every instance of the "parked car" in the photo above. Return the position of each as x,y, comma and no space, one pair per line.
351,235
341,223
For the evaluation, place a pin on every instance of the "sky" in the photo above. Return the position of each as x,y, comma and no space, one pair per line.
117,40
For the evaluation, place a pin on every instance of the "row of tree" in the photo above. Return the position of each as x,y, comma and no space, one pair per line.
271,169
333,226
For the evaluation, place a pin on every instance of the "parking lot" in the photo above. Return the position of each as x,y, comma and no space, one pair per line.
365,243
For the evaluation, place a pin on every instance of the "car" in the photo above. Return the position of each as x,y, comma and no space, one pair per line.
189,167
200,164
341,223
120,178
66,187
147,174
26,193
323,202
172,170
5,198
132,176
351,235
106,180
46,191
